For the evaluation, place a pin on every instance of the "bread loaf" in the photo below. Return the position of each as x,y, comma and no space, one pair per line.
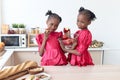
36,70
17,69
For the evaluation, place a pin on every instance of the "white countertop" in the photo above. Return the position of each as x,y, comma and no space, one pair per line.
97,72
36,49
24,49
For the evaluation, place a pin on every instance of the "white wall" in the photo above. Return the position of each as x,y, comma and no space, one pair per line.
0,14
32,12
105,28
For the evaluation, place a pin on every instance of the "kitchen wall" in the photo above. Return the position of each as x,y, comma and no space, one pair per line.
0,13
105,28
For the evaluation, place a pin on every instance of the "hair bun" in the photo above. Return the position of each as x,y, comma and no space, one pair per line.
49,12
81,9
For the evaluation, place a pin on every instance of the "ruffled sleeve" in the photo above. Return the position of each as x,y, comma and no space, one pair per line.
39,40
84,40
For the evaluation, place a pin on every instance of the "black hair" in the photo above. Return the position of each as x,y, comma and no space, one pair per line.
90,15
53,15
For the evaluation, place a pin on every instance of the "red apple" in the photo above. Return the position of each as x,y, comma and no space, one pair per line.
9,32
66,30
12,32
67,41
64,37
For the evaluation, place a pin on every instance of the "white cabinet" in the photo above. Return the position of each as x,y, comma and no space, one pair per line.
20,56
97,56
10,61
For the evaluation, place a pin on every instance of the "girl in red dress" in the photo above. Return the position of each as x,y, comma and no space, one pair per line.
79,54
49,47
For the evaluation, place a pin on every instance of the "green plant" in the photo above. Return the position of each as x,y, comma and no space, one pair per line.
21,26
15,25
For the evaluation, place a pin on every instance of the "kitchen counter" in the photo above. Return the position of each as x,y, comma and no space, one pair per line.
97,72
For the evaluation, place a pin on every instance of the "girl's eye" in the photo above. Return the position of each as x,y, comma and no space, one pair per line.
82,22
51,24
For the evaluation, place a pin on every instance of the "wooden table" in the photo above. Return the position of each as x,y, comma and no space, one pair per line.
97,72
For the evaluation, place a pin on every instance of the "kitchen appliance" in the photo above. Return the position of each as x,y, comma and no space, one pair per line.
14,40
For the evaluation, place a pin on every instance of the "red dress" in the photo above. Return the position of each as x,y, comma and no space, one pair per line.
84,39
53,54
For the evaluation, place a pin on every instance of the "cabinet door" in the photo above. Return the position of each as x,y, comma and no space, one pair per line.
20,57
96,56
10,61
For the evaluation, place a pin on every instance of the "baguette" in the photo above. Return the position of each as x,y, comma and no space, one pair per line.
17,69
13,77
36,70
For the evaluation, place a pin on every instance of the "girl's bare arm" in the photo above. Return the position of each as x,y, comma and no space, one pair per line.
42,48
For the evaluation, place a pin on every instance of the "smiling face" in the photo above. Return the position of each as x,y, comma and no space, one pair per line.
82,21
52,24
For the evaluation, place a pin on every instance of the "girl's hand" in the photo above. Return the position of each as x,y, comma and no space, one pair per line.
60,40
75,39
61,44
46,34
